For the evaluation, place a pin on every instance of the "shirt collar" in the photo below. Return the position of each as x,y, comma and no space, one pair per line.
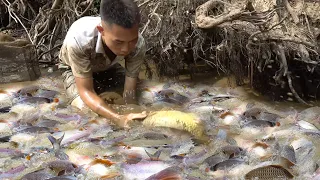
99,45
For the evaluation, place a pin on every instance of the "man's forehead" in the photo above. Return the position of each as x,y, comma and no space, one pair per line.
119,33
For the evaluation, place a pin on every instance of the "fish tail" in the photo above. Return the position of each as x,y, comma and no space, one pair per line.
56,143
155,156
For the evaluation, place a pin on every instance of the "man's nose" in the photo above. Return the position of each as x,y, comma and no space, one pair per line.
125,48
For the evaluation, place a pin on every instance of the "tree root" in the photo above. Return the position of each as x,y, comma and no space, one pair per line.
206,22
294,91
85,11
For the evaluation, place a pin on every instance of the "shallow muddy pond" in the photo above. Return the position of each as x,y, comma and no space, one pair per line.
202,129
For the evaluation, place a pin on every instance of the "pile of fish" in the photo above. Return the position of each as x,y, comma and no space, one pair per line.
193,131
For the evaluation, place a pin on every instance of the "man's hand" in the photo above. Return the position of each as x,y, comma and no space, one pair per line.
124,119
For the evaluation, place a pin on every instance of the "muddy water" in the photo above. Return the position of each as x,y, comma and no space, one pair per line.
260,143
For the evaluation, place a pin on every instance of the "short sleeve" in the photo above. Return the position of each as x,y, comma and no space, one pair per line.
135,60
79,59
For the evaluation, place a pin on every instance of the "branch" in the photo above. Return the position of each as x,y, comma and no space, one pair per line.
16,18
57,46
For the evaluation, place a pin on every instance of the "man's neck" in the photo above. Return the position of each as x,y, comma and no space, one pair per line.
108,52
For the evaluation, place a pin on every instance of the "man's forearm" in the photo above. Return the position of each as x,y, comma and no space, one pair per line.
96,104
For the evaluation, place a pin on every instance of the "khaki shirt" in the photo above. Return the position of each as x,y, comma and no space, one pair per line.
83,51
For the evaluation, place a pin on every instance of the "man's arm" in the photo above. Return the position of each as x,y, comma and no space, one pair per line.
92,100
95,103
130,87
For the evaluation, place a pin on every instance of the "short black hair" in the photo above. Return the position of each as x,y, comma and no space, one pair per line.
124,13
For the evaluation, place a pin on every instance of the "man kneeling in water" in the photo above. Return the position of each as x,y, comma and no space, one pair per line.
91,52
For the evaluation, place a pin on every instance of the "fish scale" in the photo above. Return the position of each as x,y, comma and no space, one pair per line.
269,172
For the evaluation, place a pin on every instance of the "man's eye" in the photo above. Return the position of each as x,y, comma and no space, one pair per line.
118,42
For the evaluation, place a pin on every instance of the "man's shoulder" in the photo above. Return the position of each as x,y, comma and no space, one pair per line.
83,31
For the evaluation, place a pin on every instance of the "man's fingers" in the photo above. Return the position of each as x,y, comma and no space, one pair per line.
138,115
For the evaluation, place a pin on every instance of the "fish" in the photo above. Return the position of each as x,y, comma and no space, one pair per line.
214,160
289,153
142,170
56,143
105,143
269,172
68,117
227,164
311,115
258,123
45,93
63,178
10,152
27,90
72,136
183,147
12,172
33,129
173,173
33,100
37,175
154,136
307,125
231,150
133,158
171,96
194,159
188,122
62,165
47,123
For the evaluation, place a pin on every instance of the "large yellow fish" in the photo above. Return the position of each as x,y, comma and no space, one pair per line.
177,120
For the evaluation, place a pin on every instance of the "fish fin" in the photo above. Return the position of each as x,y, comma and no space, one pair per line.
52,139
60,139
155,156
62,173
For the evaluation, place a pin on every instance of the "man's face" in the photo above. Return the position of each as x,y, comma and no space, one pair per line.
120,41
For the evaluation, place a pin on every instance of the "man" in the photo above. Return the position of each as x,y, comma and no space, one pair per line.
92,49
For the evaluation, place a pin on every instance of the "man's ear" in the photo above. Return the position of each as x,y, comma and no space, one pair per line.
100,28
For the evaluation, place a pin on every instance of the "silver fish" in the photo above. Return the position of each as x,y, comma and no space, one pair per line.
37,175
227,164
168,173
142,170
12,172
33,129
63,178
33,100
62,165
171,96
47,123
